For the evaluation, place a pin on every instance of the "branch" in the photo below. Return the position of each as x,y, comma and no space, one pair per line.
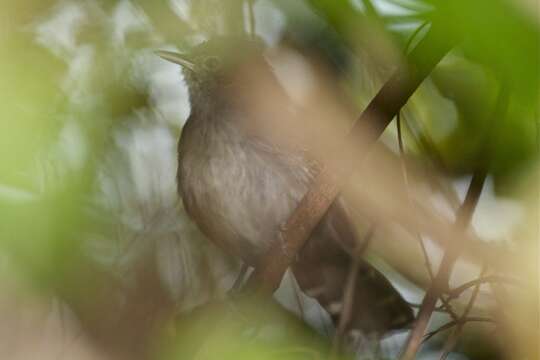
451,324
453,338
348,295
440,309
427,261
443,275
445,307
326,186
453,250
454,293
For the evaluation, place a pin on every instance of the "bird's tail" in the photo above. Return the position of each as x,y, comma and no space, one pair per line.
355,294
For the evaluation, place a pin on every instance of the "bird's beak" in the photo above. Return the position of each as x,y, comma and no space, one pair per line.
177,58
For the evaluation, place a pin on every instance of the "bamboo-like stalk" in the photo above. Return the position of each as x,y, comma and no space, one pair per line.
453,250
324,189
440,281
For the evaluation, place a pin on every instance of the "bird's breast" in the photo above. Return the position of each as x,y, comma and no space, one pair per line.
238,189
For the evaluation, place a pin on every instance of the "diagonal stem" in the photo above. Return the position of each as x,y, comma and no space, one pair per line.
348,295
453,323
326,186
407,189
446,304
454,336
463,219
456,292
440,281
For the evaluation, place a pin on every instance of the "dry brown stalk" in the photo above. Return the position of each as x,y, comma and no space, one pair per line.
453,250
454,336
440,282
324,189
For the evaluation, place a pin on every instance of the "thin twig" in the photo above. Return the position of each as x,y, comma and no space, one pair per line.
463,219
454,293
448,308
444,308
407,189
440,309
348,294
441,279
348,302
453,323
454,336
413,36
427,261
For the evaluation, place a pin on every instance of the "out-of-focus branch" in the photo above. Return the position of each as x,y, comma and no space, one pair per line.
348,302
427,261
451,324
440,281
454,336
386,104
453,250
454,293
348,295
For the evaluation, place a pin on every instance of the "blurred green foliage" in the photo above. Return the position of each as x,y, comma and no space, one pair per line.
46,202
243,329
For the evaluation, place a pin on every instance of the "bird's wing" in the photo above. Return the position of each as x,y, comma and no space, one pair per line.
325,266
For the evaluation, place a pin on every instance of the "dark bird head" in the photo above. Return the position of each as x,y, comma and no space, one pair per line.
209,67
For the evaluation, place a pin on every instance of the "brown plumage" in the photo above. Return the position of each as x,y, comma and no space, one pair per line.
239,187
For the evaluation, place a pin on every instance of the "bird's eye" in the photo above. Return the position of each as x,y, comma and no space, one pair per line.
211,63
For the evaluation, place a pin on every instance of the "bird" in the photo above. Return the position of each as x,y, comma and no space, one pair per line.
240,187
